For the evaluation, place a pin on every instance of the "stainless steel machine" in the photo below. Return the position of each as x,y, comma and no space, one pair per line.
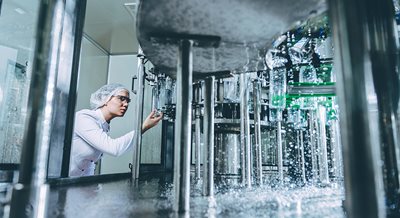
269,108
259,105
253,95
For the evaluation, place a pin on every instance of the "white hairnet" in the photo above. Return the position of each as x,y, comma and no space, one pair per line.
104,93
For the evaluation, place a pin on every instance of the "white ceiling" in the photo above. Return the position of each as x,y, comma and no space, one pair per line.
107,22
111,25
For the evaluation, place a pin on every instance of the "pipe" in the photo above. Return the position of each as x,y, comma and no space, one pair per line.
209,93
141,73
257,131
183,128
245,131
31,189
323,151
313,145
302,156
334,141
340,150
197,133
279,150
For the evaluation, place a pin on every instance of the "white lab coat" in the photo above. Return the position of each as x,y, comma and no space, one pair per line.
90,140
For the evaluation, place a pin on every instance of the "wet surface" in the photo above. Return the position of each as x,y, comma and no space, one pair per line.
222,30
153,197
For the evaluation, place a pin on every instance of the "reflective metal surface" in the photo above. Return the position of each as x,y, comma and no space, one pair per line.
209,98
197,132
257,133
289,142
368,94
230,26
183,127
245,131
28,193
66,88
139,113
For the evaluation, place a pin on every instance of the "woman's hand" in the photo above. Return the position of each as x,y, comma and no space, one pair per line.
151,120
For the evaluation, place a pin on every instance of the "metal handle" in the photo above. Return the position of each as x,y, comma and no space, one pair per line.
133,85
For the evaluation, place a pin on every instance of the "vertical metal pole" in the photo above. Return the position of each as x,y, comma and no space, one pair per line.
141,72
245,130
366,53
279,150
208,180
323,152
257,131
303,161
335,150
339,151
29,194
183,128
79,15
242,129
197,131
313,145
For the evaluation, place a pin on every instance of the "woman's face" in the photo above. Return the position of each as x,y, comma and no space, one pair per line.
118,104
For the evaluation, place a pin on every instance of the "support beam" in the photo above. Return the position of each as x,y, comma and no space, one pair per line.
141,74
366,56
209,98
183,128
29,195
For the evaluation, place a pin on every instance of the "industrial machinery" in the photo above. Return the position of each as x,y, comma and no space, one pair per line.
251,97
289,110
269,112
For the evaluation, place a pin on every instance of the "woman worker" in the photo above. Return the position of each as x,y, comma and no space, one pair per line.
90,139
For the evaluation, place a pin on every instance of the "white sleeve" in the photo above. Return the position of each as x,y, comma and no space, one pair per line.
87,128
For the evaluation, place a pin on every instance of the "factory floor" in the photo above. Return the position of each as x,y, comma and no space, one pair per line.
153,196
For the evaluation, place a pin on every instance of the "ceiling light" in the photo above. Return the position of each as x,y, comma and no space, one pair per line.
20,11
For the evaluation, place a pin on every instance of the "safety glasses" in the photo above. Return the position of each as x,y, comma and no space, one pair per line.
123,98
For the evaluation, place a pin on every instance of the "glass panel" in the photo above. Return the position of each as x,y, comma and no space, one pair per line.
17,25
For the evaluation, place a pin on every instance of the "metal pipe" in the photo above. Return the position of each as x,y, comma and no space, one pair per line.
335,150
197,133
31,189
366,53
303,161
209,93
340,150
183,128
245,131
141,73
257,131
279,150
323,152
313,145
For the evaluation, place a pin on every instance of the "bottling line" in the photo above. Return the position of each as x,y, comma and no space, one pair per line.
260,100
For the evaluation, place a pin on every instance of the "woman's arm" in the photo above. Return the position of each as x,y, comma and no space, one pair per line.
87,128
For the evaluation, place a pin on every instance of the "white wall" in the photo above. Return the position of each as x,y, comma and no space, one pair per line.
93,71
121,70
